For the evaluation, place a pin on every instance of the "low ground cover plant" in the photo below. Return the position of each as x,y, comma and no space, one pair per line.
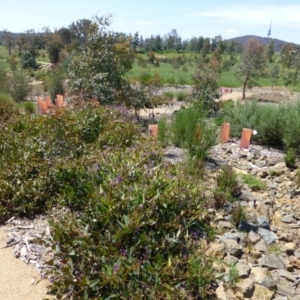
253,182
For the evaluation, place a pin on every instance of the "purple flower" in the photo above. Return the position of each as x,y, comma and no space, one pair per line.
116,269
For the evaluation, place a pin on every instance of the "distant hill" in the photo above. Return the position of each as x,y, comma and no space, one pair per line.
264,40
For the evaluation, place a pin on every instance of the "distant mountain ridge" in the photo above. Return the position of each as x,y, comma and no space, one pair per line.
264,40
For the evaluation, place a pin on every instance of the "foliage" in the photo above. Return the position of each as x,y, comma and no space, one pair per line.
140,226
205,88
55,83
181,96
29,107
163,131
228,186
41,158
190,129
251,65
238,215
28,60
98,68
19,87
277,125
290,158
233,275
253,182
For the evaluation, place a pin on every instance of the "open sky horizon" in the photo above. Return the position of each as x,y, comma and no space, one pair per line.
190,18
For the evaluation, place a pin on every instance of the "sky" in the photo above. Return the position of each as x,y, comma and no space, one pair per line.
207,18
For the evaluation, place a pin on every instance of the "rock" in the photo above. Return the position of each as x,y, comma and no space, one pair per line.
224,294
260,275
294,261
271,262
216,250
245,287
285,288
262,293
263,222
261,163
287,219
230,260
261,246
233,248
243,270
225,225
247,226
268,236
253,237
232,235
285,274
289,248
278,169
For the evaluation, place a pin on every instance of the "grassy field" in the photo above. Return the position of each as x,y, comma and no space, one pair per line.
178,75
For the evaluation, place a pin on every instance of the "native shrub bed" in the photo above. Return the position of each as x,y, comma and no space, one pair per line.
138,235
41,156
277,124
135,226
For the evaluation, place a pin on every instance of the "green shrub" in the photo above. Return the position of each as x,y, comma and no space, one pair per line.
55,84
190,129
181,96
290,158
238,215
163,131
140,225
29,107
228,186
7,99
19,86
169,95
253,182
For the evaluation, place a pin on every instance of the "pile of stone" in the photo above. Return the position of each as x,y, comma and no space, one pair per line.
259,259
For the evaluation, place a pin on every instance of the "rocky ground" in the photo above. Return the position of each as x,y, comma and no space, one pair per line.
261,258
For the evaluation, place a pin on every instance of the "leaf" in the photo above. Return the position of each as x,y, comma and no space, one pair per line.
94,282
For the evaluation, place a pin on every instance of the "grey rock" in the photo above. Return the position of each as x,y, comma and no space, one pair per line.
232,235
233,248
247,226
285,288
268,236
263,222
226,225
286,274
287,219
271,262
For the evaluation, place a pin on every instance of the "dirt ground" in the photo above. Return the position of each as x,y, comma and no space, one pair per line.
19,281
265,94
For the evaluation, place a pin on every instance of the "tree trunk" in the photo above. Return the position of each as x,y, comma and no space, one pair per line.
244,86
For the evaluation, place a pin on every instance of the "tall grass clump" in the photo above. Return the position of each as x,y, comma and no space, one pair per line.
192,130
278,125
29,107
228,186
